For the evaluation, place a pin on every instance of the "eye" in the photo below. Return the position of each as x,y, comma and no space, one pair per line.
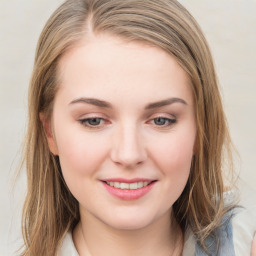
163,121
92,122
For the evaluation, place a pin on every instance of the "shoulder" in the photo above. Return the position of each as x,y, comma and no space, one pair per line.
244,221
236,232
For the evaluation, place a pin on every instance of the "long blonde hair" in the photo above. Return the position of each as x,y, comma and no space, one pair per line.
50,209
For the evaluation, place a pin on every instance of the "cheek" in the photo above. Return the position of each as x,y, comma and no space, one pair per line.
80,154
173,156
80,158
175,151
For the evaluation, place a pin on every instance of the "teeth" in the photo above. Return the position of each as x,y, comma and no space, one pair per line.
116,185
145,183
123,185
141,184
133,186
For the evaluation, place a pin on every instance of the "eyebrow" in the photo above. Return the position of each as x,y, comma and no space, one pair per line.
104,104
166,102
92,101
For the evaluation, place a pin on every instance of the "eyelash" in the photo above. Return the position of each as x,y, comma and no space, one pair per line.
85,122
169,121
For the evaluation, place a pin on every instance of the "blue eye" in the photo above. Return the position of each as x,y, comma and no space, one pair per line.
95,121
163,121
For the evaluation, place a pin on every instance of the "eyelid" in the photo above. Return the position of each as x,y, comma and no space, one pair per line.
166,118
92,115
163,115
86,118
171,120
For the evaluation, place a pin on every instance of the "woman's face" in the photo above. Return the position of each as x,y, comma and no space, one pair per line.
124,128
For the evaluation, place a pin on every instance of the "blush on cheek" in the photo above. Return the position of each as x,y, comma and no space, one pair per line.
175,154
81,158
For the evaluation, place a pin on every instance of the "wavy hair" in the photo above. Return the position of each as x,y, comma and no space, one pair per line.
50,210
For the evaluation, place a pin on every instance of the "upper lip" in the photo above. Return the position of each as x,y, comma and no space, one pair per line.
123,180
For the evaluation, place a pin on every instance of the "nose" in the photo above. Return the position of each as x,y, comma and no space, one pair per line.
128,149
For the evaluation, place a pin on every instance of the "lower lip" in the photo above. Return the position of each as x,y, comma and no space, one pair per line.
128,194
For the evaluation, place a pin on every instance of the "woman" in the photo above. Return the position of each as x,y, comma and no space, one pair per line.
126,135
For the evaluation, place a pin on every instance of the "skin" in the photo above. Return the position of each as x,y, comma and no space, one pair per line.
127,141
253,250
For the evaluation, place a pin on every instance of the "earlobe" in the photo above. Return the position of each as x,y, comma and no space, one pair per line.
49,134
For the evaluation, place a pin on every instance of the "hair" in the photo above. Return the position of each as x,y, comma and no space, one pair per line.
50,210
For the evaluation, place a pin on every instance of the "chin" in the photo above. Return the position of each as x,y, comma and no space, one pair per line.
131,224
130,221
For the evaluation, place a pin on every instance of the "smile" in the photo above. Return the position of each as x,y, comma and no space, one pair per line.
128,190
123,185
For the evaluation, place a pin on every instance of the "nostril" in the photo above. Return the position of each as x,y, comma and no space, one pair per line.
128,149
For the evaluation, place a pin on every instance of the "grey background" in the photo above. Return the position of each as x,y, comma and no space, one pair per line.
230,27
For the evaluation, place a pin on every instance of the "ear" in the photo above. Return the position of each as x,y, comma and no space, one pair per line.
49,134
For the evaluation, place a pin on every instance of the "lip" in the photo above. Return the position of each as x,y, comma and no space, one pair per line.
128,194
128,180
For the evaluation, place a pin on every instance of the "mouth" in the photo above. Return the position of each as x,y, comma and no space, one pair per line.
128,190
128,185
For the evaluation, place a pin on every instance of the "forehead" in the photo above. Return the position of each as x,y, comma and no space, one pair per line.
103,64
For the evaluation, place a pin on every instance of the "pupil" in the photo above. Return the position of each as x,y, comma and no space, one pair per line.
160,121
94,121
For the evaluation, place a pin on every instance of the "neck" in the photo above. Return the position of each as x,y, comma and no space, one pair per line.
94,238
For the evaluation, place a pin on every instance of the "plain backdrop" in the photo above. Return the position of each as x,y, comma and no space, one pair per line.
229,26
